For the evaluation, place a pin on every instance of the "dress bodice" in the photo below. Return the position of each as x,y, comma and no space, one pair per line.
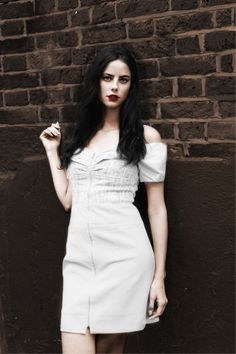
103,176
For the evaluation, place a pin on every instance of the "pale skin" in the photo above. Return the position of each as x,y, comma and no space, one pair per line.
116,79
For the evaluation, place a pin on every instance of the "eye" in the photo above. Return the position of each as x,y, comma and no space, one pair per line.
124,80
106,78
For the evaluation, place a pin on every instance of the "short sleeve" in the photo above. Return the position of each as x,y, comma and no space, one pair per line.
152,168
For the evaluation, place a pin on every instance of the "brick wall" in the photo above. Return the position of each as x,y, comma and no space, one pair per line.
185,53
184,50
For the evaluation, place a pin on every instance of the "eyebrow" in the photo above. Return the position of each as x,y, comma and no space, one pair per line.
113,75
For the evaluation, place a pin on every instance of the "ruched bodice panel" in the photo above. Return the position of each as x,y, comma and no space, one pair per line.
102,177
105,177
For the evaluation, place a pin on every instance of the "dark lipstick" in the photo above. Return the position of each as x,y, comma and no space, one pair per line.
113,98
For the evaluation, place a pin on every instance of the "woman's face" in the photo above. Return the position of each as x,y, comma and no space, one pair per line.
115,83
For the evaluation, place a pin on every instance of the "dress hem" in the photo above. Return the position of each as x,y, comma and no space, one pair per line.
96,329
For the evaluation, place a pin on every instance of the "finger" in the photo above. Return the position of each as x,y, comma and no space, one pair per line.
47,132
56,125
151,306
161,308
155,315
54,130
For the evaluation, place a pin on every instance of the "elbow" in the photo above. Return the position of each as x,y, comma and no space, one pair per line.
67,208
159,210
67,203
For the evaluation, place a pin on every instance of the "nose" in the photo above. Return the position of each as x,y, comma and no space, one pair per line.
114,85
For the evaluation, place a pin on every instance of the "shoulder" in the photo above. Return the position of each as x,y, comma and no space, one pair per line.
151,135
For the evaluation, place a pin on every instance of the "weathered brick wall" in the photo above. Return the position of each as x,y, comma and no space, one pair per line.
185,54
184,50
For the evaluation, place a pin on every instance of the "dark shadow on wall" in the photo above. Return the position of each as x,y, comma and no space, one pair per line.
200,263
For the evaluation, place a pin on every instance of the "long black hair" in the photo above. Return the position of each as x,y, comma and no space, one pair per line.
91,110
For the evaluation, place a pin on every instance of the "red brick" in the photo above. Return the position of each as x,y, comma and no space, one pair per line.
227,108
66,76
19,80
184,23
103,33
103,13
38,60
156,48
148,110
139,29
227,63
18,98
19,115
220,85
72,75
80,17
184,5
223,17
220,40
67,39
16,10
166,130
215,2
67,4
51,77
83,55
49,114
212,150
60,57
221,130
93,2
188,45
12,28
188,109
47,23
133,8
38,96
148,69
17,45
157,88
187,66
14,63
58,95
189,87
191,130
46,41
44,6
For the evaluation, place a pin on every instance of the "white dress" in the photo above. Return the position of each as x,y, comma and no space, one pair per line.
109,262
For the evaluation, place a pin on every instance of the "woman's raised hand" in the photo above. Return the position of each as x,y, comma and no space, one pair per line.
51,137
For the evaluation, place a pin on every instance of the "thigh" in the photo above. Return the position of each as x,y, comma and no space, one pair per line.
78,343
110,342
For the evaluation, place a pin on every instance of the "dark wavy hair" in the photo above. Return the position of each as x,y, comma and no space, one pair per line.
91,110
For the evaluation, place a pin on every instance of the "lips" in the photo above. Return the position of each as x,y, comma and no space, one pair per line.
113,97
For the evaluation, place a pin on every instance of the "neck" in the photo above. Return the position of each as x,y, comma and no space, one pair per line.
111,119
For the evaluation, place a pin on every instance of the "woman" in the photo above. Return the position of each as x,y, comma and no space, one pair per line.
113,282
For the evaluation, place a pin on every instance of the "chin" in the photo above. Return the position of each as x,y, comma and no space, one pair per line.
112,104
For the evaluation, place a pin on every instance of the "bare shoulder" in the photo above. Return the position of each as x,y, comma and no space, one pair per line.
151,135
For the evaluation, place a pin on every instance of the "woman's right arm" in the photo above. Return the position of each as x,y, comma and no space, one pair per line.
60,180
51,138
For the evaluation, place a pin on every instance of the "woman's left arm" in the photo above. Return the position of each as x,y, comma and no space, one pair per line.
158,219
